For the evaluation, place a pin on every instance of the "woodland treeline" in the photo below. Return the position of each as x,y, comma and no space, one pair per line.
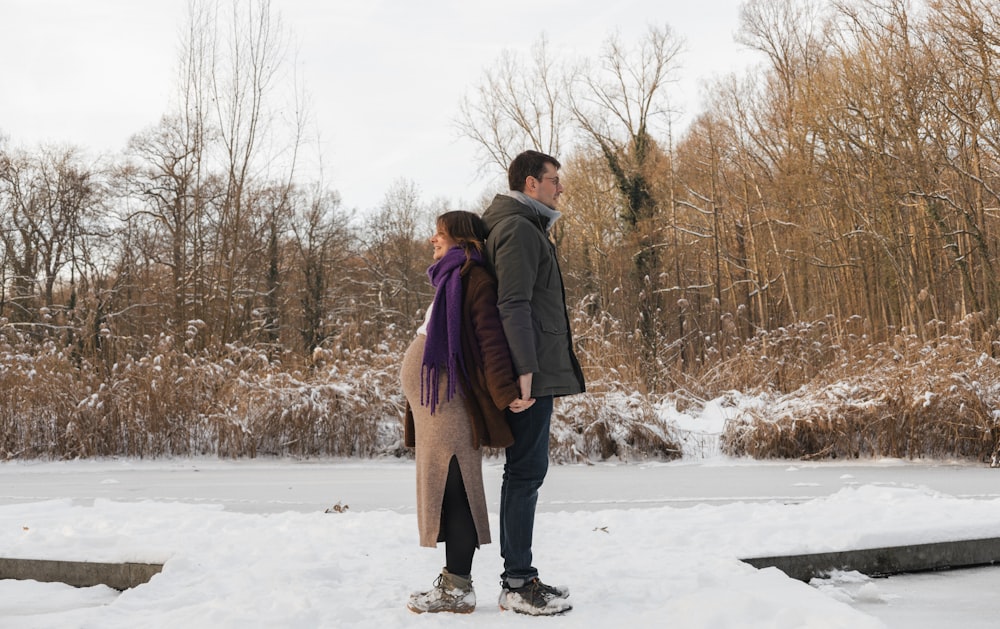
838,199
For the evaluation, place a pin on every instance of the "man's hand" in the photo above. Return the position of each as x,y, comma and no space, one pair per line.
524,381
525,401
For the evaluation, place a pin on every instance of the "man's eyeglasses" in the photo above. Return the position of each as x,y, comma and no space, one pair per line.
554,180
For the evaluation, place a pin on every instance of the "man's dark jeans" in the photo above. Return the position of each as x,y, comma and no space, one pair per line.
523,473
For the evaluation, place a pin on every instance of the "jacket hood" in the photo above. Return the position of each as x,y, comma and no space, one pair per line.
504,206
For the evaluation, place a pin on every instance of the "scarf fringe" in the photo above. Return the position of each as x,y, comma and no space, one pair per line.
430,389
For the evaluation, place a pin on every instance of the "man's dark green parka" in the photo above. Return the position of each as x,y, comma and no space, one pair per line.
531,297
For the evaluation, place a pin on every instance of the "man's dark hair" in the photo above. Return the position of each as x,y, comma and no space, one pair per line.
528,164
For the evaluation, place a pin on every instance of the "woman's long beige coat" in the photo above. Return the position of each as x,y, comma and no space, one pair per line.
474,417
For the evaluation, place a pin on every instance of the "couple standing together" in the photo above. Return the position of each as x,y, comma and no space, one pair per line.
494,350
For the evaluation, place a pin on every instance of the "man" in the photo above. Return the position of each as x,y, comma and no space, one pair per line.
532,306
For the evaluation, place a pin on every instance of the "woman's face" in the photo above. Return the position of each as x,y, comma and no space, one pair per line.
442,242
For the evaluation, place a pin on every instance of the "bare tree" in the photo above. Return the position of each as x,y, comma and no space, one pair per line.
622,108
166,185
517,106
244,69
396,256
321,253
46,205
207,174
967,32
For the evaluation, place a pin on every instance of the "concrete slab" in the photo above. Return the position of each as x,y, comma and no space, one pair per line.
120,576
880,562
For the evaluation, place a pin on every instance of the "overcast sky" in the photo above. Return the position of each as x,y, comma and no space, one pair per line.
384,77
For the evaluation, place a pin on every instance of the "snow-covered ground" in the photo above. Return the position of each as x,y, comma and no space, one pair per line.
248,543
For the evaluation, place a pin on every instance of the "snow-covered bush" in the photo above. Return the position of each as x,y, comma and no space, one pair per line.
613,424
906,398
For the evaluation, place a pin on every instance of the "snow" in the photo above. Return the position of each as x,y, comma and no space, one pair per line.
248,543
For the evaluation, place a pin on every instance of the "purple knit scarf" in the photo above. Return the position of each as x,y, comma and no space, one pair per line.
443,348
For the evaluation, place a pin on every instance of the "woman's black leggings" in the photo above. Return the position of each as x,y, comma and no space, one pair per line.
458,529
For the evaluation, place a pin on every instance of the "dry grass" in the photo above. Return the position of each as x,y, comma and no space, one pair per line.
827,392
234,403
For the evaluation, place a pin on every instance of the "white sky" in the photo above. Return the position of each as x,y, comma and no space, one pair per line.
385,77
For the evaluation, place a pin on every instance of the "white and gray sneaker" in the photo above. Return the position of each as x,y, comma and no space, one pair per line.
535,598
451,593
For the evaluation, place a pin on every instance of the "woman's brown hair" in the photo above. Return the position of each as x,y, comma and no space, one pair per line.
467,230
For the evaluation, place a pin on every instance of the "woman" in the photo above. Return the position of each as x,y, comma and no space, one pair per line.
458,378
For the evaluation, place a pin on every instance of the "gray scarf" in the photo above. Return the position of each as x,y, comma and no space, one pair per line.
539,207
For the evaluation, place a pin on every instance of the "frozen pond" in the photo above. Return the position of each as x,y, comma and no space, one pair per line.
964,598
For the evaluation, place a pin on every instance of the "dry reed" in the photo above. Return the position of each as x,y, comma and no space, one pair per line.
238,402
827,393
907,398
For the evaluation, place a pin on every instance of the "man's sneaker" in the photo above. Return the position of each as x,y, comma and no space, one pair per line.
535,598
451,593
555,591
